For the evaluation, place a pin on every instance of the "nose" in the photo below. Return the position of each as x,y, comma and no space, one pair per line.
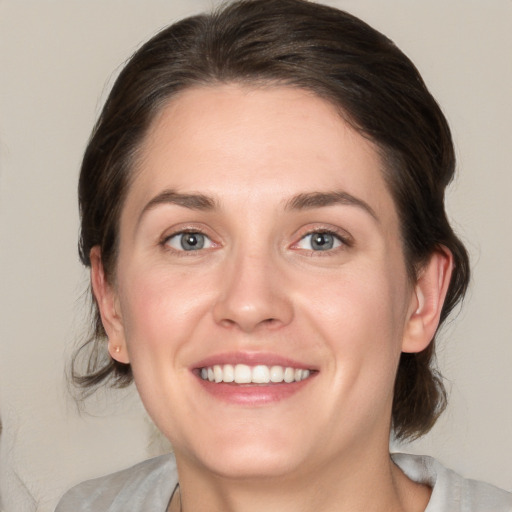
253,295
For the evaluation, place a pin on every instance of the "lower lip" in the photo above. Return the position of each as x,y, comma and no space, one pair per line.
253,394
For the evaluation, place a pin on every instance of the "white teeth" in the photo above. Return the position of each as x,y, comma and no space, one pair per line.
289,375
228,373
217,373
259,374
243,374
276,374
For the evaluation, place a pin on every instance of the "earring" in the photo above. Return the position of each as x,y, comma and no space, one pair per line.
117,349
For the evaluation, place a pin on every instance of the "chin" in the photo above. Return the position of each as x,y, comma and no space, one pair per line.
248,455
254,465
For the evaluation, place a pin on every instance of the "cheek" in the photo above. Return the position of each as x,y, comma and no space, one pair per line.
356,320
360,315
363,300
161,309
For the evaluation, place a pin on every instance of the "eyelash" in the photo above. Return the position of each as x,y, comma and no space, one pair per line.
182,252
345,241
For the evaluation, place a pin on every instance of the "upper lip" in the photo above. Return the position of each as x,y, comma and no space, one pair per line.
252,359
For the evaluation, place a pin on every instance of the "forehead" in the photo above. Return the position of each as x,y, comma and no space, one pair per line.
249,145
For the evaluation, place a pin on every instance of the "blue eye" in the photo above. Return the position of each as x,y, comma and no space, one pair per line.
320,241
189,241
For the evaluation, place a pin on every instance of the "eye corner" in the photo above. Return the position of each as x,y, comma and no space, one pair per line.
323,240
187,241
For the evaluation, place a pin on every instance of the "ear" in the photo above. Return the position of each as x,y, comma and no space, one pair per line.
427,301
108,305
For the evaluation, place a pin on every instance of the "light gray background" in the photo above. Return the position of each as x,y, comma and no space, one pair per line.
57,60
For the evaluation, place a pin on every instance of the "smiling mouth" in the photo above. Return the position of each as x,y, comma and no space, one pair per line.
258,374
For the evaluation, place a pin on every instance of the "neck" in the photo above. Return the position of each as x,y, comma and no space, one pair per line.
366,484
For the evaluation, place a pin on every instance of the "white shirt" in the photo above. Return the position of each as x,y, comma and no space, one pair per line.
148,487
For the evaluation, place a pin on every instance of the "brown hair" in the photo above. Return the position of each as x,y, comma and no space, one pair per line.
300,44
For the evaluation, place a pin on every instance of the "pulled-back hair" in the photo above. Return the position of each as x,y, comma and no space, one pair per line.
341,59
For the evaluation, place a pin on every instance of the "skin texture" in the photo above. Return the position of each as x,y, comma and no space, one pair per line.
258,290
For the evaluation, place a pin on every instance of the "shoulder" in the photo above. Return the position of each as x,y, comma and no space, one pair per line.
145,486
450,491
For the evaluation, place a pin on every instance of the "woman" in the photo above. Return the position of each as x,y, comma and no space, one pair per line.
262,207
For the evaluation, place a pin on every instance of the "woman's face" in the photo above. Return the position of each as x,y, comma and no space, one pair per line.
259,242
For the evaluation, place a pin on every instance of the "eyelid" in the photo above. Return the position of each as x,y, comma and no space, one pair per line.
206,240
181,230
346,239
343,236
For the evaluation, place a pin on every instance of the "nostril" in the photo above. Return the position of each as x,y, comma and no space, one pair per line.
252,304
269,322
226,322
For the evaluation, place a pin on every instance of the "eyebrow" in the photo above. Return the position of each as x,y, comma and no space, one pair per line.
304,201
312,200
199,202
